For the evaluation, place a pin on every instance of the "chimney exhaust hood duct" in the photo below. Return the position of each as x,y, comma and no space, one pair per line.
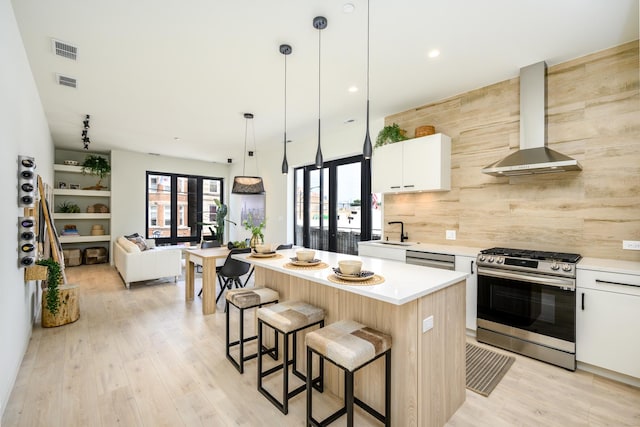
534,156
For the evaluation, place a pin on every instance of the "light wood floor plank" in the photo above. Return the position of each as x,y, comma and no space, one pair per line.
145,357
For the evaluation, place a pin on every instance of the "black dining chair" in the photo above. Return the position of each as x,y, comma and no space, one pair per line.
232,270
287,246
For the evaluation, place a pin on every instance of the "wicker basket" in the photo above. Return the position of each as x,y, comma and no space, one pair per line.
98,208
36,272
425,130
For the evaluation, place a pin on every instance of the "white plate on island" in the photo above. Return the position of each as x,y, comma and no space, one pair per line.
296,261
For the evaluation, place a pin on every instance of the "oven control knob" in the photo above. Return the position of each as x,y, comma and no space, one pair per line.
490,259
482,258
555,266
500,260
566,267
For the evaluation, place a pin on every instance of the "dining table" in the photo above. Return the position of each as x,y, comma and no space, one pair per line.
208,259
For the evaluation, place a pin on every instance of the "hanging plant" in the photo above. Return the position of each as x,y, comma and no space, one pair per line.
54,277
390,134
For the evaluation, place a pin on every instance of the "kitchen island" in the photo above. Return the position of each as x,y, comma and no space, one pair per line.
428,368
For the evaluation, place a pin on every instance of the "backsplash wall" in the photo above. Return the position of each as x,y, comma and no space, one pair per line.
593,114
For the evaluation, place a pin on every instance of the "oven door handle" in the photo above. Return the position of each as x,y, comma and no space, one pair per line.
566,284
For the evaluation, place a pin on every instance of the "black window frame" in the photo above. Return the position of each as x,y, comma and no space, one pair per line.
175,239
365,192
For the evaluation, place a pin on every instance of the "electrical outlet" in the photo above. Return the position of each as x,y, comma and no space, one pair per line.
427,324
632,245
450,234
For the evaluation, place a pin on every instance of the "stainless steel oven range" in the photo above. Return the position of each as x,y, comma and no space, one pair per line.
527,303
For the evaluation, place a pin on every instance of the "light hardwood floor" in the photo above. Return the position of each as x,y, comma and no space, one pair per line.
144,357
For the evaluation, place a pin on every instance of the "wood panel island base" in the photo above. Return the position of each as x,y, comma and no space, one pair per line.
428,368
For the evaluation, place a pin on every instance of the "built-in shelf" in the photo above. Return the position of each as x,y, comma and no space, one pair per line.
67,168
86,193
60,215
85,239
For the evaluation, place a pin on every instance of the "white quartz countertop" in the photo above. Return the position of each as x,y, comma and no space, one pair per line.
610,265
403,283
427,247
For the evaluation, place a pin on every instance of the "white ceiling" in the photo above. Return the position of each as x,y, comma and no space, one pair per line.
152,70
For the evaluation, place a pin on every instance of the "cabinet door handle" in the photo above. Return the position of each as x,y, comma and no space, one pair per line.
395,186
583,301
472,266
409,186
614,283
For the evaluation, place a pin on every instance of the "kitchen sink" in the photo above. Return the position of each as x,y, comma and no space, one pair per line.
394,243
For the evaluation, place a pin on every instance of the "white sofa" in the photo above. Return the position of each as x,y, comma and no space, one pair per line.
135,265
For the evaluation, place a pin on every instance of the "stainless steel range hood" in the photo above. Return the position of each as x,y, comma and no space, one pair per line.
534,156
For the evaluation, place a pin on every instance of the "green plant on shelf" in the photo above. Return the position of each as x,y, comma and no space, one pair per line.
68,207
96,165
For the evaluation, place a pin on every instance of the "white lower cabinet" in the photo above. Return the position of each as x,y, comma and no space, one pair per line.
608,321
466,264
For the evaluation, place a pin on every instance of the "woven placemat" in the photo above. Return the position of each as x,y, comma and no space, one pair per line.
276,256
373,280
320,266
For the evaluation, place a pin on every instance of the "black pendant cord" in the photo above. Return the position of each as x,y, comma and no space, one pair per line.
244,154
367,149
320,23
285,163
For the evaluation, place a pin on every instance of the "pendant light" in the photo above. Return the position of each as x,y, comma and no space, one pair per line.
367,148
319,23
247,184
285,49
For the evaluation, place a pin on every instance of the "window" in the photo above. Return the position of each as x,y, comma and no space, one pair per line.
331,206
153,216
180,207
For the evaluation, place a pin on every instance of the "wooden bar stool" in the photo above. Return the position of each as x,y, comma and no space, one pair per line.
244,299
350,346
288,318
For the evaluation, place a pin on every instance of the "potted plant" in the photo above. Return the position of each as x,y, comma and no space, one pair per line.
96,165
390,134
68,207
257,237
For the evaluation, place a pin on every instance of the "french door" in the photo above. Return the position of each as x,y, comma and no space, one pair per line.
332,205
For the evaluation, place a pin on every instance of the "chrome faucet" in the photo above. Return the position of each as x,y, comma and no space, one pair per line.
403,236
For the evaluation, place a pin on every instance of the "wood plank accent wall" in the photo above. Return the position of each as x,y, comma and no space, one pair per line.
593,114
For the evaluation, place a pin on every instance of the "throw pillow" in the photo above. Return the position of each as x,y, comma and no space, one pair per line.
128,245
139,241
130,236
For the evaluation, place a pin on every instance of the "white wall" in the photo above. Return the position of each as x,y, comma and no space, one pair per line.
128,185
23,131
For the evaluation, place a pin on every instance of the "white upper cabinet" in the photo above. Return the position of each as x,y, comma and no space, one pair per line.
419,164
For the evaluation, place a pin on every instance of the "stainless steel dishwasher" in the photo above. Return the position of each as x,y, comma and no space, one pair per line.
431,259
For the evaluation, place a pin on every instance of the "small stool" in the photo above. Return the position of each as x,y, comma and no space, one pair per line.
287,318
244,299
350,346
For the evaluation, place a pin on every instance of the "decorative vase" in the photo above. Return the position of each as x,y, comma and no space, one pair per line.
255,240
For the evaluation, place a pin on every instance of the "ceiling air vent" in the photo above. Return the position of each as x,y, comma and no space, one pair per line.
66,81
65,49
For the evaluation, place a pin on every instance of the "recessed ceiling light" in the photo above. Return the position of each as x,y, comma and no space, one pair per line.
434,53
176,139
353,89
348,8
